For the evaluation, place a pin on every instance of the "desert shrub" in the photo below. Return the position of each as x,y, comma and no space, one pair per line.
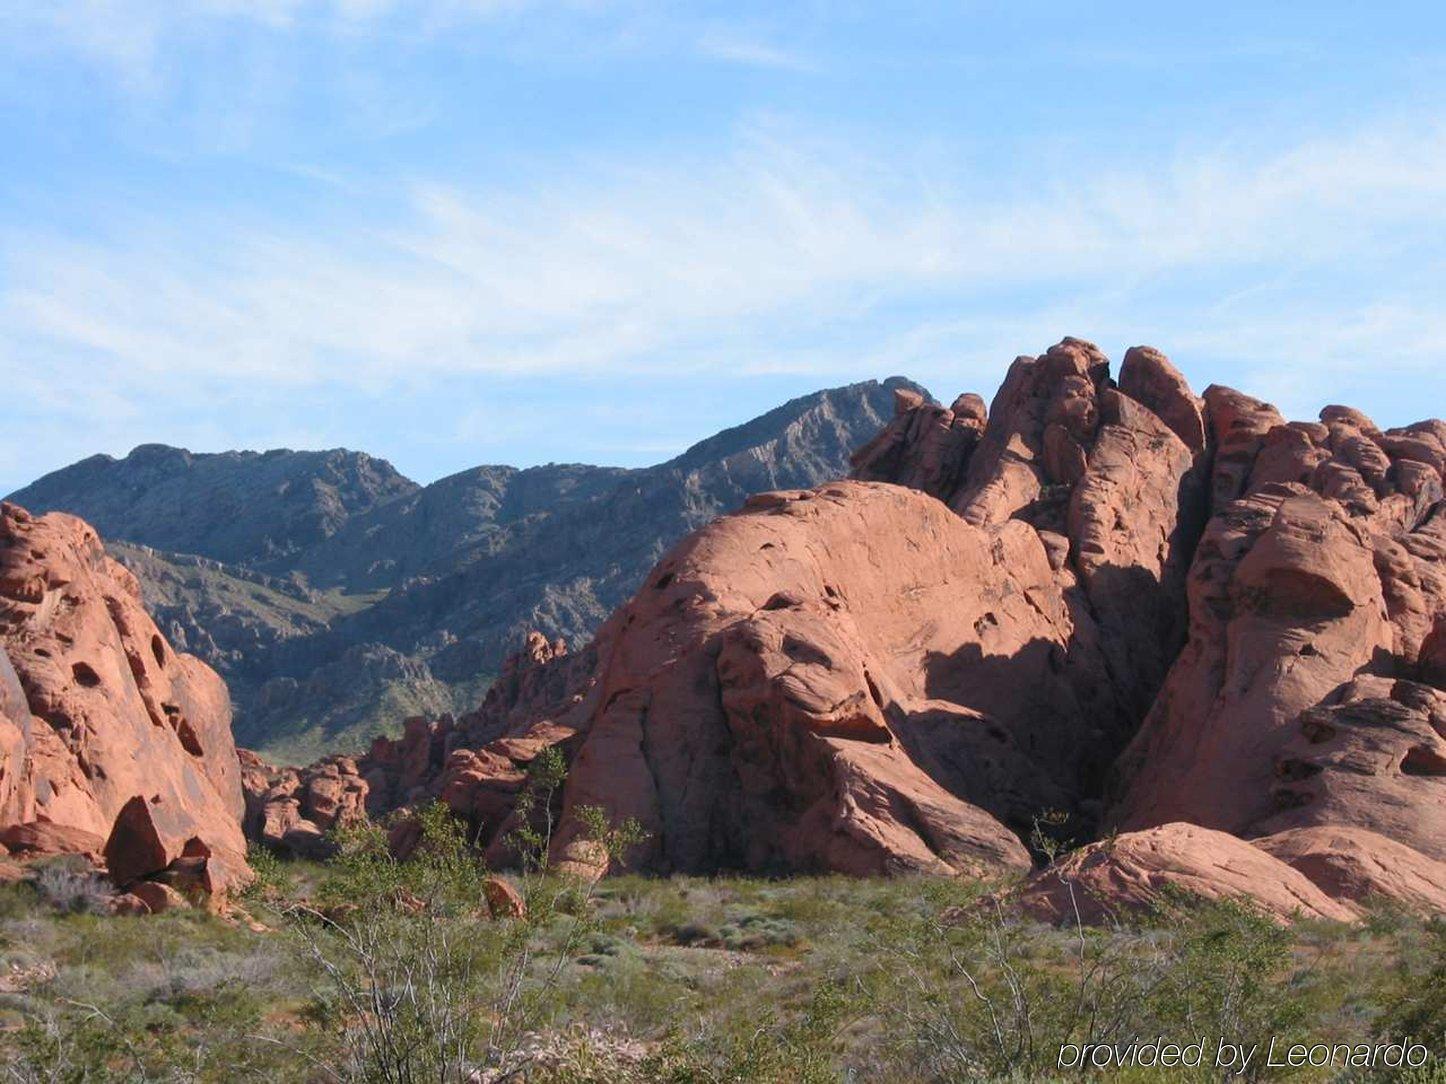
1414,1001
70,884
753,933
975,991
419,982
796,1047
276,878
601,949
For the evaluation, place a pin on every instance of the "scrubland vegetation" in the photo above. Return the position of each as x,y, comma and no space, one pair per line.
373,970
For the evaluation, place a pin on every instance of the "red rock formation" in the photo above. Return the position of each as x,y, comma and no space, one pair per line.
926,446
292,809
1314,598
502,898
1138,871
1352,864
855,679
110,740
869,679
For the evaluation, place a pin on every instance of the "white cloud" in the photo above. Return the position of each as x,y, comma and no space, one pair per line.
637,265
783,255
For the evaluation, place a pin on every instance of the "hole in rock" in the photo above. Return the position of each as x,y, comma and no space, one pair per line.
189,742
1296,769
802,651
1423,760
85,676
874,693
158,649
663,581
782,600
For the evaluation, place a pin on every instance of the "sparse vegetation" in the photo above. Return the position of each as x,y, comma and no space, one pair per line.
379,970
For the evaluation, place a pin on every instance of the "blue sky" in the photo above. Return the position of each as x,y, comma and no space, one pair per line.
461,231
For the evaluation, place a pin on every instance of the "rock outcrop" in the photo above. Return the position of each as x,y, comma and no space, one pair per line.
113,744
1358,866
1151,869
1302,697
1177,616
292,810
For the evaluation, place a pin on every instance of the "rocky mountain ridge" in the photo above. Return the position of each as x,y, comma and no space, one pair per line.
337,597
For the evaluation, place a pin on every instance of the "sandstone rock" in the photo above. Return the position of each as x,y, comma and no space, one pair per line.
158,898
1314,597
128,903
802,687
291,810
100,713
1138,871
584,860
503,899
1361,866
1371,755
926,446
900,672
44,839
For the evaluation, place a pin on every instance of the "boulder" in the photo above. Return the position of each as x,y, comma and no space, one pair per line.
45,839
503,899
1168,864
158,898
128,903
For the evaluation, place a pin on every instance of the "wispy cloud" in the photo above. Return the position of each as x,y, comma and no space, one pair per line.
736,46
137,41
783,253
653,264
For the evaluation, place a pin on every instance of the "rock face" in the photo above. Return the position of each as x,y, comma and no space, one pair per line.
1301,698
1174,615
112,742
337,597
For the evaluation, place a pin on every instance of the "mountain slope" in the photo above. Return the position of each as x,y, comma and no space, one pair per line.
238,507
337,597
